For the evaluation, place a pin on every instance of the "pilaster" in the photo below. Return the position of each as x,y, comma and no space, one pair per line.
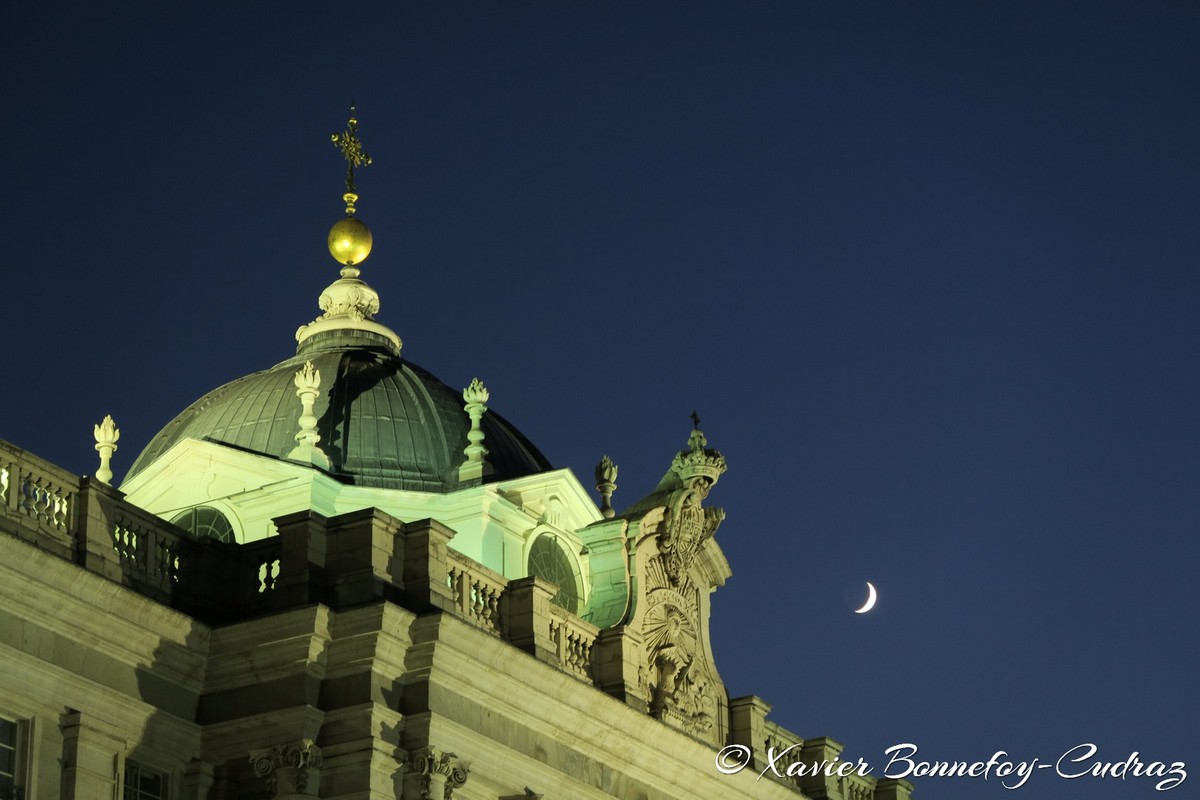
821,786
94,526
528,616
421,565
362,556
93,757
289,771
301,559
617,663
434,775
747,726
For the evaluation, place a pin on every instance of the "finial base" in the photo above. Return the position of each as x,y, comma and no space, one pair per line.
308,454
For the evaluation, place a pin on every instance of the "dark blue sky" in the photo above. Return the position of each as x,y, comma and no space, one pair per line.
928,272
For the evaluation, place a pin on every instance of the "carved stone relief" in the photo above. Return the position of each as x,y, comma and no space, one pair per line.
435,769
681,686
295,767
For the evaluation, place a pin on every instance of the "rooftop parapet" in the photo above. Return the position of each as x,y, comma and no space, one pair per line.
342,561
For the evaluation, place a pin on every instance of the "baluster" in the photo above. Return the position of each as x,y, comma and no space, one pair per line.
268,573
493,608
27,495
119,544
160,559
61,510
456,588
477,602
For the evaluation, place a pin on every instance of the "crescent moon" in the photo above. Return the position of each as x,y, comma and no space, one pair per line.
872,596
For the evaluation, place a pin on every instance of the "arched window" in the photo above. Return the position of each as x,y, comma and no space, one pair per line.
548,560
205,521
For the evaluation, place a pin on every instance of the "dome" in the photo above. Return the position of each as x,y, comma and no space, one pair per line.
383,421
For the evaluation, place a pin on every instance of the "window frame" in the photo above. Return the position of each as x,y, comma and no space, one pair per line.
573,591
22,746
138,768
190,518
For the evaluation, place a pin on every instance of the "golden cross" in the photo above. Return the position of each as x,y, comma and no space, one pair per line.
351,146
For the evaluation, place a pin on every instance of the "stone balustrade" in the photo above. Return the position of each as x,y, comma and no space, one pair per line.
573,640
38,500
340,561
477,591
354,558
359,557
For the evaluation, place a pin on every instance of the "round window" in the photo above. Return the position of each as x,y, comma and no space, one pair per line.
548,560
205,522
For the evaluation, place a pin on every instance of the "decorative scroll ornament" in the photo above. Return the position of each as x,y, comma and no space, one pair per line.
348,304
434,768
106,434
349,298
296,765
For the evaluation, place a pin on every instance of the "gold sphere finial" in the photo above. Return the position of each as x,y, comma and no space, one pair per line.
350,241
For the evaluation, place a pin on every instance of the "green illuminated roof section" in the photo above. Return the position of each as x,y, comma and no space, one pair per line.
383,421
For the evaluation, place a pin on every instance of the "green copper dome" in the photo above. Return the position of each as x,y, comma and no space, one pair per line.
383,421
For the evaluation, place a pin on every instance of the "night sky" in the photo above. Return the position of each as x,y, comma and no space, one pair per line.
927,271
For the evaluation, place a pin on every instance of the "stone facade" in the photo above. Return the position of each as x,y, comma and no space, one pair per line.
356,655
